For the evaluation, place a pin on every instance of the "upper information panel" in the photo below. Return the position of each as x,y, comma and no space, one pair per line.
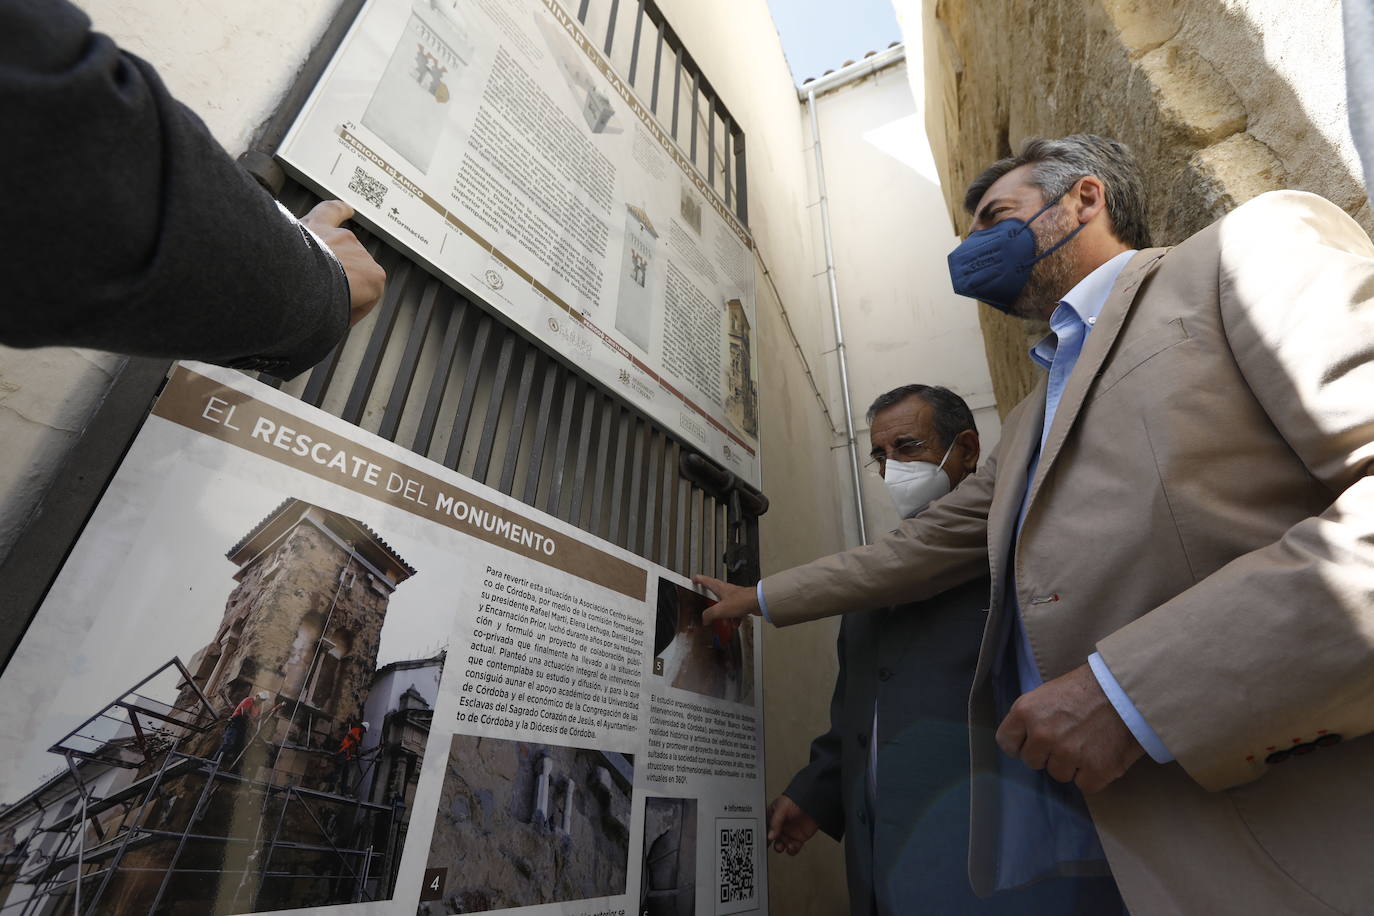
494,141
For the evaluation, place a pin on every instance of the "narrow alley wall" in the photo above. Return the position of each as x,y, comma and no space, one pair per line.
1222,100
737,44
902,321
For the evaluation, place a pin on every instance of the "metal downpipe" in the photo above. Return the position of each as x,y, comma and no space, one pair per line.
835,313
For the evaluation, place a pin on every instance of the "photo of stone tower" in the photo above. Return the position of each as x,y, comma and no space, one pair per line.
742,392
303,625
263,785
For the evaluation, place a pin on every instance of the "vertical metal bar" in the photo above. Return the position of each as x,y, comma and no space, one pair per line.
560,451
658,68
582,11
271,849
721,532
541,429
625,421
492,418
610,27
677,86
741,181
133,828
696,94
656,447
684,517
634,50
322,375
641,433
429,415
694,516
727,143
190,823
457,437
712,558
610,413
517,428
667,507
81,831
711,142
584,441
376,346
410,356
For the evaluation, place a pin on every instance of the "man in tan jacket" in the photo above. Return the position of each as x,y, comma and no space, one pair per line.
1179,526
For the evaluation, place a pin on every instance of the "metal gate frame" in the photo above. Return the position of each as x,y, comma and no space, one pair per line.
715,526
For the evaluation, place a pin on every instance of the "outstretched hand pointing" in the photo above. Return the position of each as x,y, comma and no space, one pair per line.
733,600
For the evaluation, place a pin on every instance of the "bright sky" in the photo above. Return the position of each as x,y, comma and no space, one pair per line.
820,35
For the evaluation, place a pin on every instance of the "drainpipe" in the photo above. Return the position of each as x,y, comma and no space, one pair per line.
835,313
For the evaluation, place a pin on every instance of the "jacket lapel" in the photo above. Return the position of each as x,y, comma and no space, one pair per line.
1012,461
1011,483
1095,350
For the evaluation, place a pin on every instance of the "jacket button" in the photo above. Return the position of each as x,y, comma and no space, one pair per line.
1278,756
861,740
863,816
1327,740
884,674
1303,750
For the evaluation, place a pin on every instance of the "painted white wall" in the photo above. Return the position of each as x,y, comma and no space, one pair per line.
737,46
891,233
231,63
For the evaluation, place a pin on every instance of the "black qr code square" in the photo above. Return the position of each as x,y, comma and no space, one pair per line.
371,189
737,884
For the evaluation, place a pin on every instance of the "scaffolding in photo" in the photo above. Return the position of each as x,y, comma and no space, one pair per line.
130,861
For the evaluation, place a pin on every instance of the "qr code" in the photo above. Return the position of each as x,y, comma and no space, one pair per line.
372,190
737,885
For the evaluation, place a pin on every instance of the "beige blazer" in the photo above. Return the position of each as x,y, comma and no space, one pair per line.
1203,516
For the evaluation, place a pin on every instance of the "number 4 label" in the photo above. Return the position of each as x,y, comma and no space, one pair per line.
433,886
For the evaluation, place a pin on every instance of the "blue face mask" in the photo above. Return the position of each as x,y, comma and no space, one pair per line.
992,265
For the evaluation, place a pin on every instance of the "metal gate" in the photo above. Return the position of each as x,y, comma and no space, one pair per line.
442,374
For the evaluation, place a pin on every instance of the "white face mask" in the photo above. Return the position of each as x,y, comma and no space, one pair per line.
916,484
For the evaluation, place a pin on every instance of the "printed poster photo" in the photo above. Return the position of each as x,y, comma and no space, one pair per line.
668,886
588,94
521,823
270,761
714,660
410,106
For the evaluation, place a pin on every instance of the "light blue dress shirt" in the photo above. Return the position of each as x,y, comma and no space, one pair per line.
1070,324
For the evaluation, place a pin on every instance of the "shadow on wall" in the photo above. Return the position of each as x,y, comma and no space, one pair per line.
1184,82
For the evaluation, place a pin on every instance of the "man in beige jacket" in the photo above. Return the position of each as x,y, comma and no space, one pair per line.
1182,554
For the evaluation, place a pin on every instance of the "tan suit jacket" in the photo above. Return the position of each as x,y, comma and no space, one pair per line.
1203,516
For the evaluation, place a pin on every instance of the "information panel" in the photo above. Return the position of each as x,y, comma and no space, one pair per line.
291,665
493,140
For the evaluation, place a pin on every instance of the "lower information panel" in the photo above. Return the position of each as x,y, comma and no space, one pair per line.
289,664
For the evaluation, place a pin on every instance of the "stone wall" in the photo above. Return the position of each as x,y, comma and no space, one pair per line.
1221,100
497,847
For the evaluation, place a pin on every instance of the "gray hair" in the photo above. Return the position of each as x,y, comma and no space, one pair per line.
1057,164
952,415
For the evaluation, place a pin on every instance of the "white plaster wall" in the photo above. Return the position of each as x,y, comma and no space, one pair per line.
231,63
1305,55
736,45
891,234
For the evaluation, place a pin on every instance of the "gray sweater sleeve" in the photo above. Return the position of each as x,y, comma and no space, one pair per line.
125,226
